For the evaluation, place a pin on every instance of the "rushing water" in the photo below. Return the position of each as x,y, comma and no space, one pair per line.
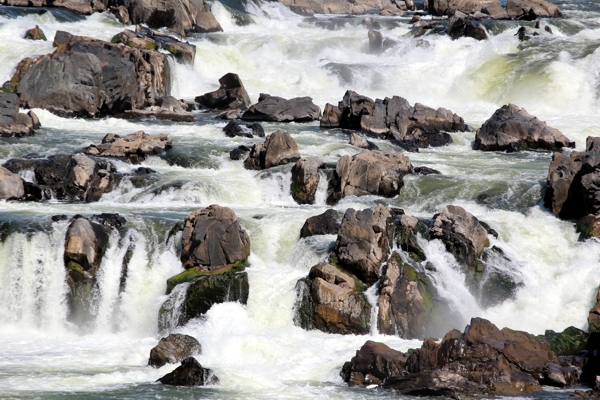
256,350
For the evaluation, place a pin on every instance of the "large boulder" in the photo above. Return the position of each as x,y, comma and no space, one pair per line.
11,185
12,122
468,7
462,25
327,223
329,300
190,373
87,77
146,38
383,7
363,242
279,148
80,6
370,172
305,179
373,364
512,128
173,349
135,146
532,9
278,109
230,95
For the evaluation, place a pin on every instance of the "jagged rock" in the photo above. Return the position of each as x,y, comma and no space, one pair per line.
327,223
65,177
406,229
329,300
87,77
331,116
373,364
512,128
11,185
12,122
150,39
136,146
231,95
277,109
35,34
385,175
532,9
173,349
190,373
305,179
233,128
461,25
359,141
363,242
81,6
383,7
278,149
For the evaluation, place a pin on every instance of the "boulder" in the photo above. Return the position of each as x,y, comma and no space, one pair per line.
277,109
329,300
213,239
182,16
370,172
80,6
278,149
594,316
512,128
363,242
529,10
379,44
332,116
87,77
373,364
437,383
150,39
12,122
35,34
190,373
383,7
588,227
231,95
135,146
173,349
359,141
239,153
234,128
461,25
305,179
495,10
327,223
11,185
66,177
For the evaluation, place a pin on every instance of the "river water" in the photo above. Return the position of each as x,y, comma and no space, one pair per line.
256,350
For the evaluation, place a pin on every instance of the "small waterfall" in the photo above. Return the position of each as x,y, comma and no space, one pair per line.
372,297
171,309
321,194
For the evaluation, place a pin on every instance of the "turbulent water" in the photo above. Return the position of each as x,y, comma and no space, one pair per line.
256,350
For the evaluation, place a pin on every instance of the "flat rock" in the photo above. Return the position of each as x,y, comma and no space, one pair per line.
383,7
136,146
278,109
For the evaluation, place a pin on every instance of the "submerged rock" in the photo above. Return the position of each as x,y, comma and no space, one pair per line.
305,179
190,373
173,349
278,109
327,223
231,95
135,146
12,122
278,149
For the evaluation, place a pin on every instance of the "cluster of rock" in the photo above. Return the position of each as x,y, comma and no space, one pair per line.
135,146
515,9
12,122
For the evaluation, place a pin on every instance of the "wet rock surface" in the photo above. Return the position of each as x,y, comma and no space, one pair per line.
231,95
305,180
190,373
327,223
173,349
135,146
279,148
12,122
150,39
278,109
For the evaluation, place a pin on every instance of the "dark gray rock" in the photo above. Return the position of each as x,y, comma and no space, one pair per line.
234,128
277,109
305,180
461,25
327,223
12,122
190,373
279,148
146,38
231,95
173,349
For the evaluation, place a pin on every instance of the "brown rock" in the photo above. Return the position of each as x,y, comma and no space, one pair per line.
383,7
278,149
305,179
327,223
150,39
532,9
374,363
35,34
173,349
136,146
80,6
11,185
230,95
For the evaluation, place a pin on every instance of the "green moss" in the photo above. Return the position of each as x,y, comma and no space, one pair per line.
117,39
424,286
193,273
75,271
296,190
570,342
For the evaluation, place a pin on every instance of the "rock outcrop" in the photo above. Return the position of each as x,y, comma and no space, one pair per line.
190,373
329,300
150,39
515,9
373,364
135,146
278,149
383,7
231,95
12,122
327,223
87,77
594,316
173,349
512,128
11,185
532,9
462,25
305,179
278,109
361,142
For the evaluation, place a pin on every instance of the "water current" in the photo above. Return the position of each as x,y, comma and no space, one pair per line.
256,350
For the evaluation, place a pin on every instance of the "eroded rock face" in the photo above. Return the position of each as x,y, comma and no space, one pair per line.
329,300
327,223
373,364
150,39
278,109
512,128
190,373
88,77
12,122
305,179
532,9
230,95
173,349
278,149
11,185
363,242
135,146
383,7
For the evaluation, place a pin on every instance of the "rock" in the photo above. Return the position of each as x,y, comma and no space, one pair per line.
383,7
190,373
465,238
150,39
233,129
330,301
450,7
406,300
512,128
570,342
363,242
359,141
277,109
173,349
371,23
437,383
461,25
168,108
495,10
327,223
373,364
278,149
529,10
239,153
331,116
182,16
35,34
121,13
406,229
588,227
11,185
594,316
379,44
80,6
85,244
231,95
385,175
87,77
136,146
12,122
65,177
305,179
